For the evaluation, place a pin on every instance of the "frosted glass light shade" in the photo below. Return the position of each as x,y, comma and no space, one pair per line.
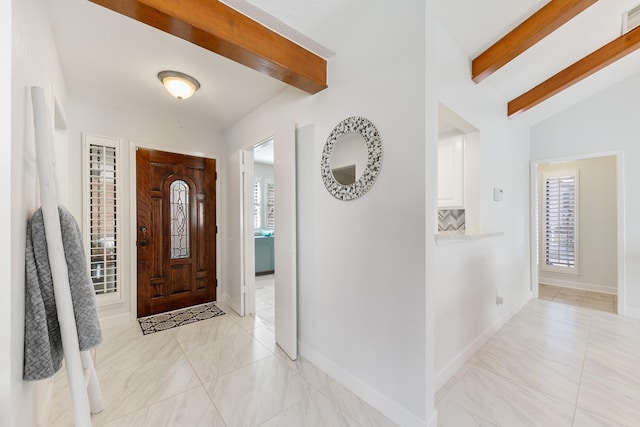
180,85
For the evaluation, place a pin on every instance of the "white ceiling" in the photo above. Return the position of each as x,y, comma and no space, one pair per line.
110,59
328,23
476,25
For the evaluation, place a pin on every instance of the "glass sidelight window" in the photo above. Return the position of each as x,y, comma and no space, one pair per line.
102,213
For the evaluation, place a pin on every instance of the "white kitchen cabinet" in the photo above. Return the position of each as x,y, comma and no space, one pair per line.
451,172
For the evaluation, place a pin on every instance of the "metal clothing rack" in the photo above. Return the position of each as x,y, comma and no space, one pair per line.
83,381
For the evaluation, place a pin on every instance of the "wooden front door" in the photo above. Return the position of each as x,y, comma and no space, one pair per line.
176,231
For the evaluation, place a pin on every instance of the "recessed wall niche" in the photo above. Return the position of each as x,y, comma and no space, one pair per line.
458,170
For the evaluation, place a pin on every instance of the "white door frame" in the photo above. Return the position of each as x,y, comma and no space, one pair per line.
249,238
249,241
133,250
235,225
620,219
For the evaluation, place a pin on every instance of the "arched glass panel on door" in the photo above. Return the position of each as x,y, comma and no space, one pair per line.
179,199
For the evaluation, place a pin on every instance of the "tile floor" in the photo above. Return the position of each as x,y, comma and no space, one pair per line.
265,301
587,299
553,365
221,372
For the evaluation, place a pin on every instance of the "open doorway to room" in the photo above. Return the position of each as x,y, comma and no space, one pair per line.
264,233
278,222
578,232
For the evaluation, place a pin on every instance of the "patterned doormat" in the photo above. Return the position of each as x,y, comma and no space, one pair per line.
171,319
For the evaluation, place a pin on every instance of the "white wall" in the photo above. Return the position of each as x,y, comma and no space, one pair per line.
34,61
142,128
5,215
604,123
469,273
361,278
597,228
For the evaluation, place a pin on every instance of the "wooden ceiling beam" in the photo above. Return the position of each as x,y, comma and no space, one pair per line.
590,64
225,31
539,25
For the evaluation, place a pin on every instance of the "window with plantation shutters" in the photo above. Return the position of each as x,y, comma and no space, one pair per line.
102,211
271,206
560,222
257,205
264,204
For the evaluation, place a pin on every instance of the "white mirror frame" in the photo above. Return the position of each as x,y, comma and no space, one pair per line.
368,131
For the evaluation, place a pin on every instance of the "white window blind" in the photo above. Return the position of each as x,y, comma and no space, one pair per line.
102,212
271,206
264,204
257,211
560,222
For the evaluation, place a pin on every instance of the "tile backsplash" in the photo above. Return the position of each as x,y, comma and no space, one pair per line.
450,219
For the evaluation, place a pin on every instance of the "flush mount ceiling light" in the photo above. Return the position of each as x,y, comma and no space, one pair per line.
180,85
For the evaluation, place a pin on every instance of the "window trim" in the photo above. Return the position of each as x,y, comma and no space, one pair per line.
575,270
88,140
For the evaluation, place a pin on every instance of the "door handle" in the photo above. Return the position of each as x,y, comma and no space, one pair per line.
143,242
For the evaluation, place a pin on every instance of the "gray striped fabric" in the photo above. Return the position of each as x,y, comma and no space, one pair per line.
43,351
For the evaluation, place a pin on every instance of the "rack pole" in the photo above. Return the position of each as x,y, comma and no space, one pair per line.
57,260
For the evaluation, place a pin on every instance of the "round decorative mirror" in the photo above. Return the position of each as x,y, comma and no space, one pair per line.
348,158
351,158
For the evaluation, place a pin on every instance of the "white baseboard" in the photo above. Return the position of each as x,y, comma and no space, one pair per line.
577,285
443,376
373,397
223,298
633,313
117,318
433,422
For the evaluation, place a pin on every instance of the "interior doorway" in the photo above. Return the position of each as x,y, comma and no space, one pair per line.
578,242
241,235
263,218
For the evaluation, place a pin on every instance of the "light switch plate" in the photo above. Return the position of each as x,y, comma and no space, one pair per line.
497,194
